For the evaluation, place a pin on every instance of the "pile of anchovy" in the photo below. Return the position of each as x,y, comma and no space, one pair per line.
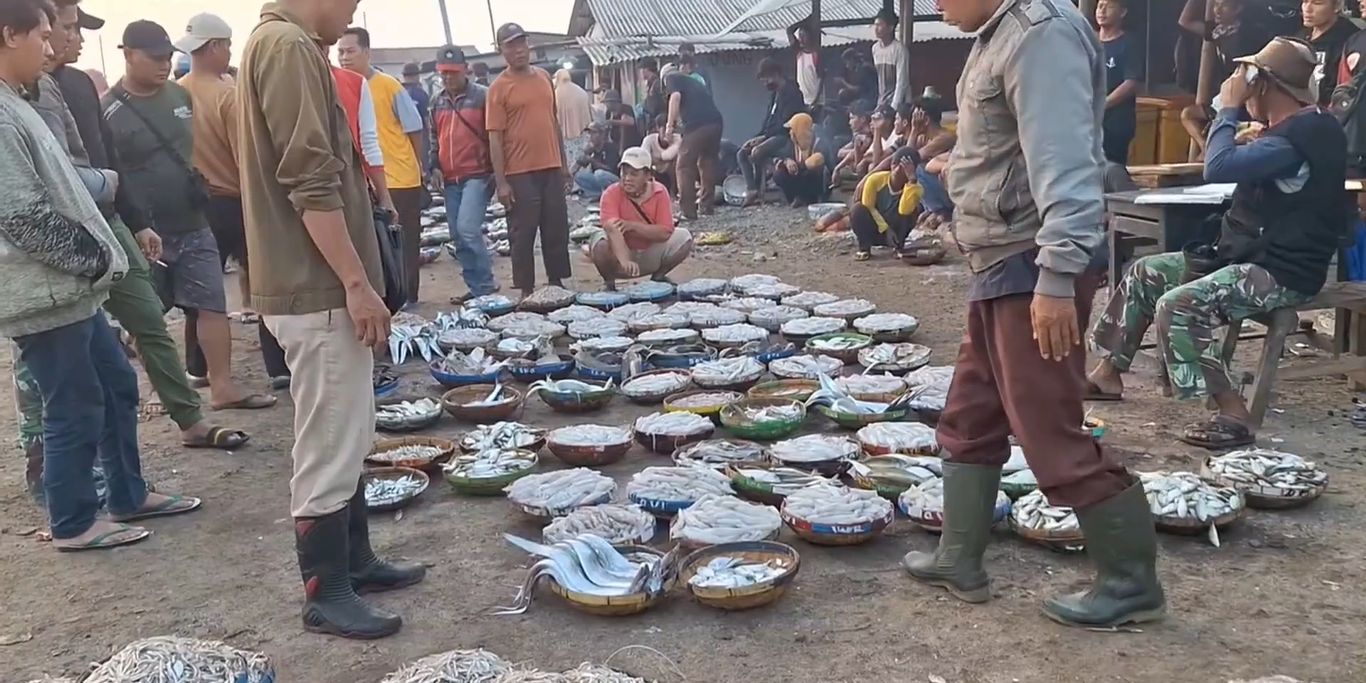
805,367
183,660
550,296
597,327
718,453
500,435
380,491
630,312
673,424
886,322
806,327
456,666
830,503
1033,511
664,383
846,308
724,519
591,435
856,385
724,371
592,673
589,565
746,304
707,399
659,321
739,333
931,385
489,463
667,335
489,302
1271,472
772,292
618,524
561,490
604,344
734,572
575,313
744,283
467,337
772,318
809,300
412,453
649,289
814,448
900,437
702,286
678,484
1184,495
716,316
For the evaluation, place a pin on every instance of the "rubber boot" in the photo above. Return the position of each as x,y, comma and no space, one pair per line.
369,574
331,606
1122,543
33,472
969,507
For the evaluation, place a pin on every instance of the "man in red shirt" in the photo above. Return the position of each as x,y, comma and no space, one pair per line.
462,170
638,225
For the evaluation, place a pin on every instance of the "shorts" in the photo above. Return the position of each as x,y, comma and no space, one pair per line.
194,272
652,258
229,228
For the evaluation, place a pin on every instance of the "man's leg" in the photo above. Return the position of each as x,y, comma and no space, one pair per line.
408,202
29,401
118,450
606,263
587,183
472,199
675,251
864,227
1119,331
710,149
687,164
555,228
524,220
764,154
744,158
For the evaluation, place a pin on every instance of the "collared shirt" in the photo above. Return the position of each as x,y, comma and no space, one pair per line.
461,151
397,116
656,209
215,130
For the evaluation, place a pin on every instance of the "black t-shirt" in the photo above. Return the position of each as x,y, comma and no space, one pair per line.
1123,62
1244,39
697,109
1329,48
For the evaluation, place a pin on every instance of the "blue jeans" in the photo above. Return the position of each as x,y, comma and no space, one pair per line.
90,397
594,183
936,197
466,202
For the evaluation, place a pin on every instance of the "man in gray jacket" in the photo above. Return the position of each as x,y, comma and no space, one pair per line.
1026,179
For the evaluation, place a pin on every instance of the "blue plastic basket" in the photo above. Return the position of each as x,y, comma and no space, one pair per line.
661,508
650,291
598,375
678,363
767,357
604,301
387,389
451,381
529,374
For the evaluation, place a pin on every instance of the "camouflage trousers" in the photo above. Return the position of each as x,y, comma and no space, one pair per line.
1187,317
29,403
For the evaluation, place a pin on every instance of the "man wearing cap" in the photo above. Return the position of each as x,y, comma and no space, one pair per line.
1277,238
639,238
595,171
412,82
461,166
400,138
150,120
528,162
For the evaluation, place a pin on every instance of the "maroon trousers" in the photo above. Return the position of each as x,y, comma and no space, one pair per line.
1001,385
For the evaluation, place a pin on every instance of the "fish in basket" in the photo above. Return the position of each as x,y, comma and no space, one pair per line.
740,576
923,504
554,494
666,432
835,515
589,445
664,491
489,472
595,577
392,488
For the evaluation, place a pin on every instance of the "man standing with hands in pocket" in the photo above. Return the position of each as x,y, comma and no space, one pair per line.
1026,179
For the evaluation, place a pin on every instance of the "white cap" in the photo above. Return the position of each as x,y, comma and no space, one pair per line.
201,29
637,158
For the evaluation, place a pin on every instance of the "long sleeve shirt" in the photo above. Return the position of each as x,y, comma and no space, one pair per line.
1271,157
783,104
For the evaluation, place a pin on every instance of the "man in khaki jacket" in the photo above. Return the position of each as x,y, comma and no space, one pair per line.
316,278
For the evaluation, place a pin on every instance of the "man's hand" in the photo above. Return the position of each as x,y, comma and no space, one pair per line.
568,180
791,166
1234,92
629,268
505,195
670,129
919,120
150,243
1055,325
369,315
436,182
751,143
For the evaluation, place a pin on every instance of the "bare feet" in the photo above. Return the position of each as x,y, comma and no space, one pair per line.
1106,379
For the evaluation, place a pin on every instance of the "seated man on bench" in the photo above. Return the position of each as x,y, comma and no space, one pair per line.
639,237
1276,240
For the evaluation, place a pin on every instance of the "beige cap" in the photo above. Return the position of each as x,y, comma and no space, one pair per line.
637,158
201,29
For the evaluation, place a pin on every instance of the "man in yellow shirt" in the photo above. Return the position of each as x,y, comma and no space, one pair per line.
400,138
889,202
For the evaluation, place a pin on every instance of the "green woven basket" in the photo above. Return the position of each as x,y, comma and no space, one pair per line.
732,418
490,486
859,421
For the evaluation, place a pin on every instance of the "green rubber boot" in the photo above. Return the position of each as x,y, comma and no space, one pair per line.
956,565
1122,543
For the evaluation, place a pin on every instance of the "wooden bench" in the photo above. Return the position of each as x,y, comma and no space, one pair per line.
1349,351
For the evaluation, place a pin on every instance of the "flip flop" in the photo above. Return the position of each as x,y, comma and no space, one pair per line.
252,402
219,438
1218,433
108,540
1094,393
174,505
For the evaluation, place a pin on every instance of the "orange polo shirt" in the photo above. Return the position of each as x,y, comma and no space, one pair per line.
655,209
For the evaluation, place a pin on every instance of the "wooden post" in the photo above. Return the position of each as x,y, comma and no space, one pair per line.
815,27
1204,89
907,37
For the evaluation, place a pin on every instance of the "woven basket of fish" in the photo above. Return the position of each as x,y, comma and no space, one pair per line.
888,327
790,389
534,330
1034,519
658,321
492,304
554,367
742,284
649,290
595,577
503,322
548,495
842,345
406,413
873,388
465,666
392,488
702,286
628,312
487,473
773,293
483,403
825,454
503,435
710,316
667,337
424,453
930,390
746,304
597,327
650,388
835,515
923,504
719,454
740,576
734,336
604,344
603,301
769,483
593,673
589,445
1183,503
772,317
514,348
855,421
724,519
665,491
806,367
574,313
666,432
1269,479
705,402
458,369
847,309
886,438
807,301
896,359
466,339
617,523
891,475
573,396
764,419
183,660
1019,484
547,299
679,356
801,330
732,374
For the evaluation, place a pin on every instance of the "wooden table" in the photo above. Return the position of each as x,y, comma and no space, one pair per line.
1168,175
1169,226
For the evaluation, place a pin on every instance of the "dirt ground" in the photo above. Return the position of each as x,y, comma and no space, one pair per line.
1283,595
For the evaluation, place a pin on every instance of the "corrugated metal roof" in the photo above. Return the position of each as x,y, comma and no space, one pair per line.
625,18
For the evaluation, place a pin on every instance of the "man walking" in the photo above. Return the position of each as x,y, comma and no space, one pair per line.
1029,217
400,138
316,278
150,120
528,162
461,166
692,110
208,41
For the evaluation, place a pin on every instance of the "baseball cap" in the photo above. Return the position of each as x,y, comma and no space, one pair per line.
451,59
87,20
147,36
201,29
637,158
510,32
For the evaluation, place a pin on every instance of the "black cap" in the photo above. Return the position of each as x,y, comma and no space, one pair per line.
510,32
906,154
147,36
87,20
412,69
450,58
611,96
860,108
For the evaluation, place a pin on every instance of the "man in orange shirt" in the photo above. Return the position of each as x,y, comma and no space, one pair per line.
638,225
528,162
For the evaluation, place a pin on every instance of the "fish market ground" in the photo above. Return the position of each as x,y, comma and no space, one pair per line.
1283,595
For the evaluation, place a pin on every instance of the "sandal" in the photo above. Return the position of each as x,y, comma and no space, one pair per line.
219,438
1218,433
121,535
250,402
862,255
173,505
923,256
1095,393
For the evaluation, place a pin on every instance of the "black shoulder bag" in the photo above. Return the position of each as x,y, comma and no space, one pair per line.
199,187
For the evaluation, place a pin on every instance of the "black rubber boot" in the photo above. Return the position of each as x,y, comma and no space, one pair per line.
33,471
969,506
331,606
369,574
1122,543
